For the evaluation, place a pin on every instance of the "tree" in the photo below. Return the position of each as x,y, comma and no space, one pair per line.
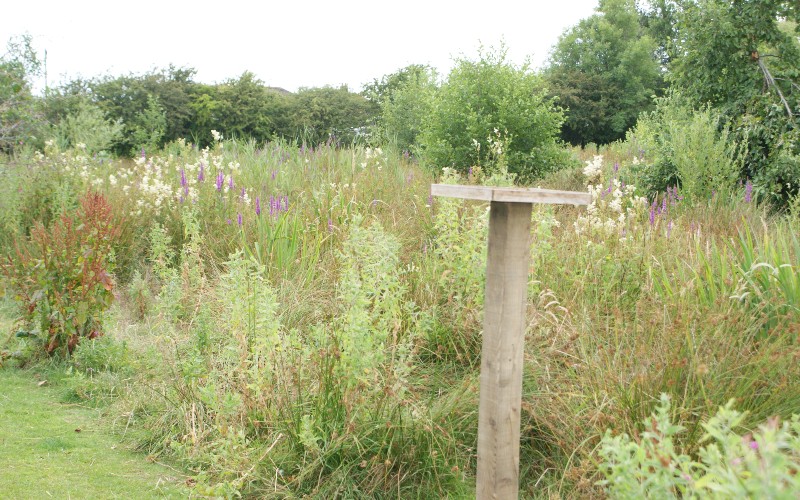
317,114
19,113
605,73
405,99
487,97
743,58
136,99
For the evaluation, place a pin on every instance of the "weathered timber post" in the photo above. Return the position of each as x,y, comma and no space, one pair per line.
504,327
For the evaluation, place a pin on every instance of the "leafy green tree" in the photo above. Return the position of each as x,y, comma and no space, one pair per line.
604,72
743,57
243,108
405,99
319,114
20,116
487,97
131,99
380,91
88,126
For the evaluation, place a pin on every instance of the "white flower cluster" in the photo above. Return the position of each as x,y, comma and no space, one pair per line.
373,158
594,168
615,208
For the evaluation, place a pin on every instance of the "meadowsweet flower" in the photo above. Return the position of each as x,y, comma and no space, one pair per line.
217,136
593,167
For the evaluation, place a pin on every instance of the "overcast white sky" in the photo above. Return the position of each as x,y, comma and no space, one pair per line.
289,44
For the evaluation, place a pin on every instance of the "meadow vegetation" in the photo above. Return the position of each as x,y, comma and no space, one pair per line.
288,316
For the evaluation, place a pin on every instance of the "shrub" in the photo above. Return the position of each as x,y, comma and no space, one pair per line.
62,276
683,146
762,464
489,95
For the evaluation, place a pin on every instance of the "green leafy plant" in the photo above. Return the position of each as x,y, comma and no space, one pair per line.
62,276
491,93
760,464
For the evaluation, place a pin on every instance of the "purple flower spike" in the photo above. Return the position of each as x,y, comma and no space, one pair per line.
183,178
143,153
201,175
258,205
230,182
243,193
616,167
229,222
286,203
652,214
330,225
239,219
271,205
220,180
748,193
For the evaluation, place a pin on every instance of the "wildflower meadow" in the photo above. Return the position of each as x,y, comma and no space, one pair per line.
257,290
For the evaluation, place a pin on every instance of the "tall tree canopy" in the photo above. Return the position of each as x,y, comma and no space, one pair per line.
743,57
604,71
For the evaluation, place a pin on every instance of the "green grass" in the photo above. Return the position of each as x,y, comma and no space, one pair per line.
50,449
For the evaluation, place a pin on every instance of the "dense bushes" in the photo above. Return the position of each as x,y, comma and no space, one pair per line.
487,98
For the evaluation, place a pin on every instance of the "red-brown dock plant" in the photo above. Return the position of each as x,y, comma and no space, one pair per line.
61,276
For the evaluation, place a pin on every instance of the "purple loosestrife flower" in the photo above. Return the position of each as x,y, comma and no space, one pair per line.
220,180
616,167
229,222
201,175
239,219
748,191
664,205
143,153
242,194
258,205
330,225
183,178
271,205
230,182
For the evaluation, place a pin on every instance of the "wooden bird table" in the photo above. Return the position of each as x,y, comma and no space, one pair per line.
504,323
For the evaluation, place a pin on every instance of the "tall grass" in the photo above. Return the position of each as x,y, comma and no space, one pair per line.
328,345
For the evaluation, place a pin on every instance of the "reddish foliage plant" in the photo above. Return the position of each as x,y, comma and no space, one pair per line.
62,275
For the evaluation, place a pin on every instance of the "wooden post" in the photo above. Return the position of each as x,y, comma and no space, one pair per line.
504,328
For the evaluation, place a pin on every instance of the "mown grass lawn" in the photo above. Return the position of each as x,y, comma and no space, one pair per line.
50,449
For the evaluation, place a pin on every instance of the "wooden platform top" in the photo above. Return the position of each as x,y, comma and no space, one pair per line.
511,194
